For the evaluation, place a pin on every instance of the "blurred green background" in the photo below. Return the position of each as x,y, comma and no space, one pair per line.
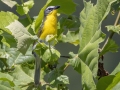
111,60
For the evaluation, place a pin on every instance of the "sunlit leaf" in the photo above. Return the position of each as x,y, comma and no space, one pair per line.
24,38
10,3
115,29
6,18
90,36
25,7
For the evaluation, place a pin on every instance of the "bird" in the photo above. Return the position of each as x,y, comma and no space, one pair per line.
49,24
48,27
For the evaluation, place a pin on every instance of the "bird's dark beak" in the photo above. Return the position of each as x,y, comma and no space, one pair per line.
56,7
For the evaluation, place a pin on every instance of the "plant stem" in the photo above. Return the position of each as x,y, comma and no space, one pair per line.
112,33
65,56
27,15
50,49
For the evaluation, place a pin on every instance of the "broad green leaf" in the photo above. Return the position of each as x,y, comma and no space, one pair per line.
111,46
116,6
23,37
71,37
6,80
116,70
25,7
15,57
39,19
51,55
109,82
11,57
69,22
90,36
1,64
104,82
115,29
3,87
66,6
6,18
8,40
10,3
55,78
22,77
75,62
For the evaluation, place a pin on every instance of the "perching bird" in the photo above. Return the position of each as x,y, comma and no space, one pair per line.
48,27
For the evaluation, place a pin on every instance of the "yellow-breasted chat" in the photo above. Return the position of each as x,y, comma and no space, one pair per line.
48,27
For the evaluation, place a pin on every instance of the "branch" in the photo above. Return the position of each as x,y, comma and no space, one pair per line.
112,33
65,56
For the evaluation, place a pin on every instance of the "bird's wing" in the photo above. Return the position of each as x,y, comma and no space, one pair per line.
41,27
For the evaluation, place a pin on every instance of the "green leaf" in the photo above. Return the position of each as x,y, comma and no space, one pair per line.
67,6
116,70
90,36
6,18
109,82
55,78
51,55
7,80
39,19
113,28
22,77
3,87
71,37
15,57
25,7
23,37
111,46
69,22
75,62
8,40
104,82
10,3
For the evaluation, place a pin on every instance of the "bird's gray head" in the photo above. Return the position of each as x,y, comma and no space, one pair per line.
50,9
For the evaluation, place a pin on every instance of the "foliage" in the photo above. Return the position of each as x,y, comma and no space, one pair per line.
17,37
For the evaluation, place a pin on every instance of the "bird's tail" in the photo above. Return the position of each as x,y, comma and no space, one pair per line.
37,68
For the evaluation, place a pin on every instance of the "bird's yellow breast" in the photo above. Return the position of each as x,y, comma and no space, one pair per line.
50,25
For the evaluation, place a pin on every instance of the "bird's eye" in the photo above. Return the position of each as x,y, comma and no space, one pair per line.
50,9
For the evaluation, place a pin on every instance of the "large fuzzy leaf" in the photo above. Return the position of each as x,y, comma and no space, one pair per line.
10,3
15,57
24,38
90,36
6,18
